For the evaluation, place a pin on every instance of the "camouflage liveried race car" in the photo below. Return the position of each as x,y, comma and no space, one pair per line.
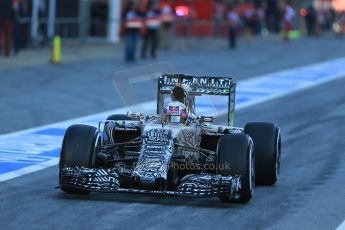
174,151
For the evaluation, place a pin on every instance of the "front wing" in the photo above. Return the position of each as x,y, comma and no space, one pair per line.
108,180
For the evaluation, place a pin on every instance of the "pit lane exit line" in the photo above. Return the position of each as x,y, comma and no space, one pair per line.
34,149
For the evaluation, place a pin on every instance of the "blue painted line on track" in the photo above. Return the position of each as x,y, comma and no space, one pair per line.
51,131
17,161
30,148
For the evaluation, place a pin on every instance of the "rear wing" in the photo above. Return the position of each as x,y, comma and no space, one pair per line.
199,86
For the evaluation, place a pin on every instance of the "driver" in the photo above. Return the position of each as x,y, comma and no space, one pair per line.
175,112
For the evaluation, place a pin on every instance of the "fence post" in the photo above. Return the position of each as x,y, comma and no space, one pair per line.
84,19
51,19
114,9
34,20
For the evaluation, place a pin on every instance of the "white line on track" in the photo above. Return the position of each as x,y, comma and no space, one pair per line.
341,226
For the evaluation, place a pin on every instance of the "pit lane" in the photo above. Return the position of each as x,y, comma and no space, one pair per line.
309,193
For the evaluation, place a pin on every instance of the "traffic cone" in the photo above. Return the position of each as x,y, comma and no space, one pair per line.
56,50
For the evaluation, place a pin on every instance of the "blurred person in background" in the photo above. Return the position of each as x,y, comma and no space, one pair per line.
273,16
288,16
320,21
152,22
132,25
167,18
260,17
330,17
249,18
17,9
233,22
341,23
310,20
6,26
219,11
42,27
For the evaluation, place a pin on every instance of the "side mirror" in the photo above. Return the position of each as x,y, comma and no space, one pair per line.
206,119
135,116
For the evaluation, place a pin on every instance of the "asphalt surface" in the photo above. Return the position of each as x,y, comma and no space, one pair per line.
309,194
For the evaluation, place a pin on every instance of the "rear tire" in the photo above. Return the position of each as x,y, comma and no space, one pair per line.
78,149
236,150
267,145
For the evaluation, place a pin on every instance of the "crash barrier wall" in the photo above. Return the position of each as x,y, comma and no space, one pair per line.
80,29
68,27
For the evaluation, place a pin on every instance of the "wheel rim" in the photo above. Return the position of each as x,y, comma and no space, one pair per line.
278,152
97,142
251,169
95,147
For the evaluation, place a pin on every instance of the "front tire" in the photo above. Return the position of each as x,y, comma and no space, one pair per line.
267,145
236,150
78,149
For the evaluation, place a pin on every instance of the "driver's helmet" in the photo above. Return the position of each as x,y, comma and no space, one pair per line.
179,93
175,112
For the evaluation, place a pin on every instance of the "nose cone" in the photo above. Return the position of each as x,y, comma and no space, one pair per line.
150,183
155,154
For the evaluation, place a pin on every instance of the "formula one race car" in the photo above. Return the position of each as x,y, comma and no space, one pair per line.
175,151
